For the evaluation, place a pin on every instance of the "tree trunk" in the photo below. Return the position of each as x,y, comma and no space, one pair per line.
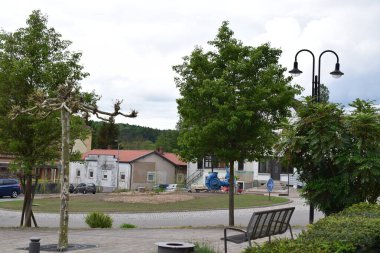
231,191
28,202
64,212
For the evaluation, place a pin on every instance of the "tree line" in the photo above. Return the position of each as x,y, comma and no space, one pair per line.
125,136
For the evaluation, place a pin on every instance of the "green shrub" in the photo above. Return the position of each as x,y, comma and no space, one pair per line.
127,226
299,246
356,229
203,248
98,220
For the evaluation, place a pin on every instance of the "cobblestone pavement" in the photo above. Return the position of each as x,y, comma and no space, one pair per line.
118,240
152,228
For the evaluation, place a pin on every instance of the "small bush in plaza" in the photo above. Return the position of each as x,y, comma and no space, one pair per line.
127,226
98,220
355,229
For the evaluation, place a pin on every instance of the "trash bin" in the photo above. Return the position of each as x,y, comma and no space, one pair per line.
175,247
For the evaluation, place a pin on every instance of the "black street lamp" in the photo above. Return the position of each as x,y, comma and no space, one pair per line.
316,79
316,88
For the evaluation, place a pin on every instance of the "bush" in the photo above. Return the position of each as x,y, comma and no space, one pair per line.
127,226
98,220
203,248
356,229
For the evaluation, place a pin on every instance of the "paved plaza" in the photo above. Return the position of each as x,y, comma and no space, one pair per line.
201,226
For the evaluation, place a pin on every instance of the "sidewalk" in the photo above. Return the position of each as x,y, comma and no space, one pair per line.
119,240
197,226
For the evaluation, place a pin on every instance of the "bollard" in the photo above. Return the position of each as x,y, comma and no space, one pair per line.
34,245
175,247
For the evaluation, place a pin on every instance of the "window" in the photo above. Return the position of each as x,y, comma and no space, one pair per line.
105,175
78,173
241,165
122,176
151,176
91,175
208,161
263,167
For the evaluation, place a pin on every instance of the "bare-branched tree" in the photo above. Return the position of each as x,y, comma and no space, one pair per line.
68,100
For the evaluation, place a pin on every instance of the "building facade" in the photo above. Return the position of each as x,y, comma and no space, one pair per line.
128,169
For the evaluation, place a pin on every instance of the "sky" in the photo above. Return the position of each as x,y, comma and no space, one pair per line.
129,47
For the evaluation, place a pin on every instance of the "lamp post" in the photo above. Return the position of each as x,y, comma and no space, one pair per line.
316,88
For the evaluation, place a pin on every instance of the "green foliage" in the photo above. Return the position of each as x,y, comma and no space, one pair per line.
135,137
127,226
98,220
168,140
108,135
356,229
231,99
203,247
33,60
336,153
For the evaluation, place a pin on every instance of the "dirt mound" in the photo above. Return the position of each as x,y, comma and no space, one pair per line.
149,198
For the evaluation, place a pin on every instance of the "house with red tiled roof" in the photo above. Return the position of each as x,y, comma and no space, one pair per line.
128,169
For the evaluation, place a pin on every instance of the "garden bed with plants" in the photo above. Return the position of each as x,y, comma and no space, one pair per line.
356,229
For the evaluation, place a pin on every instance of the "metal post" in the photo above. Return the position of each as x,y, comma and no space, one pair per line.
34,245
316,90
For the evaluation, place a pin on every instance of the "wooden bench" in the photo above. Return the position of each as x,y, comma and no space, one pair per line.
262,224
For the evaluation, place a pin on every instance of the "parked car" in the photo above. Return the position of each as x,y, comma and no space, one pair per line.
84,188
71,188
9,187
171,188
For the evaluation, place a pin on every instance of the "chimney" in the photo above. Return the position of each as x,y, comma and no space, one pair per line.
160,150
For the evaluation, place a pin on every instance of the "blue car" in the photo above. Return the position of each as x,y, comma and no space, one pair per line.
9,187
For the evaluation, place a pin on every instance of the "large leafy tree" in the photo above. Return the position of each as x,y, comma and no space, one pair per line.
232,100
33,58
335,153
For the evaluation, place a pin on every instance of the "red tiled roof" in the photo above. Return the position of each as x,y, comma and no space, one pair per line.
132,155
174,159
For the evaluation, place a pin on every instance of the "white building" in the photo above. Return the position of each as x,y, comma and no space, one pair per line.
127,169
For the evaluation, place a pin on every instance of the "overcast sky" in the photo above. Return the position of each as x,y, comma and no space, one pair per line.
129,47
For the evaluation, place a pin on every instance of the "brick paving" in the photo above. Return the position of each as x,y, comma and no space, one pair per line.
152,227
118,240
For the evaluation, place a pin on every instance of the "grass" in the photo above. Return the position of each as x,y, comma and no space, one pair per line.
95,203
127,226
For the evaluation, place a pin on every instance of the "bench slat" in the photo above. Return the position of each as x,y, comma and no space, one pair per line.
263,224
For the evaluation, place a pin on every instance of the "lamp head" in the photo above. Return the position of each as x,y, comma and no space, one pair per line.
295,71
337,73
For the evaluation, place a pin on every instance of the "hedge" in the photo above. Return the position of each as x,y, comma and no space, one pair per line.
355,229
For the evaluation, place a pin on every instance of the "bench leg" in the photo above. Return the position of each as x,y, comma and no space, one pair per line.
225,241
269,238
291,232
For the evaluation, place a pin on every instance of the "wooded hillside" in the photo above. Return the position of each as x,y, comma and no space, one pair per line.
106,135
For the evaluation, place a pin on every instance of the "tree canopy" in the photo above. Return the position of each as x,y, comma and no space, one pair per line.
335,152
34,61
232,100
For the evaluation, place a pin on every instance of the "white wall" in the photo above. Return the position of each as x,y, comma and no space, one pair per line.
98,166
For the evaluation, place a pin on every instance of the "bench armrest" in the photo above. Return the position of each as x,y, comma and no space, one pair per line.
234,229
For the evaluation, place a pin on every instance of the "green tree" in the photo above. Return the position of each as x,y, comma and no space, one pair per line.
362,157
168,141
336,154
31,58
232,100
108,135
